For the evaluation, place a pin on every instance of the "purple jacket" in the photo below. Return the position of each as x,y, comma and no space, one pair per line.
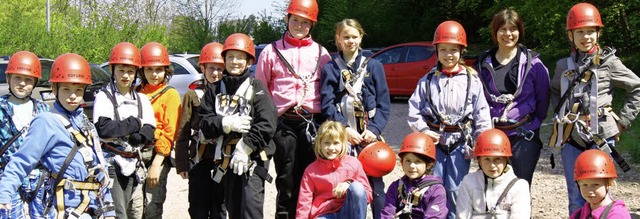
433,204
533,99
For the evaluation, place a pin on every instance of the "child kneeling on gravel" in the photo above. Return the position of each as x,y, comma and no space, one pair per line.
595,175
335,185
494,191
418,194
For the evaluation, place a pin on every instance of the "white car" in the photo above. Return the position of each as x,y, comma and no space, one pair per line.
186,72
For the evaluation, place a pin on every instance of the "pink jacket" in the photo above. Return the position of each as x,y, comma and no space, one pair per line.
319,179
618,211
285,88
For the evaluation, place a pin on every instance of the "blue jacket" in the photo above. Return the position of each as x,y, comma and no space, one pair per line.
49,143
8,128
375,93
533,99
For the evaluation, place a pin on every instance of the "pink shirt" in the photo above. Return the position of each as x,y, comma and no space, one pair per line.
618,211
286,89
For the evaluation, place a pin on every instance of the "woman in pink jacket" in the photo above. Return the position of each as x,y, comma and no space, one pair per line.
335,185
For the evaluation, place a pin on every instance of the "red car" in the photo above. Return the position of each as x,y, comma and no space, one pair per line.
404,65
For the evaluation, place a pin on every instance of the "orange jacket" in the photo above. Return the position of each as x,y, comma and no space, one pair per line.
166,108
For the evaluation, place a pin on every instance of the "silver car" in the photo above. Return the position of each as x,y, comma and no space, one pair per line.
186,72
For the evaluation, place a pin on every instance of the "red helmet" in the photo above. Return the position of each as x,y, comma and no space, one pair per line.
418,143
241,42
493,142
594,164
211,53
24,63
583,15
377,159
304,8
154,54
125,53
450,32
71,68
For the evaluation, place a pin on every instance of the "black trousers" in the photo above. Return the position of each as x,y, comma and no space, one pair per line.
244,194
293,154
206,197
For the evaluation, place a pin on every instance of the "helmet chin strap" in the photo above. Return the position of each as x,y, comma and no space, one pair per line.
60,103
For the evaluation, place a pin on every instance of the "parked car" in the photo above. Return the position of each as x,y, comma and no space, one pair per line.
259,49
42,90
186,72
404,65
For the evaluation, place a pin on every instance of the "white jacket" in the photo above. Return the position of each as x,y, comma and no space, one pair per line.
473,198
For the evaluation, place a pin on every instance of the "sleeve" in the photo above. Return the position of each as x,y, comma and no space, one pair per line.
481,115
210,122
555,91
541,84
305,196
183,138
165,134
418,101
329,92
436,203
39,140
263,126
622,77
391,198
106,125
264,65
521,206
383,102
464,207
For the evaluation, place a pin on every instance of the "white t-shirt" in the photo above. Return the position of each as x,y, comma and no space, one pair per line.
22,114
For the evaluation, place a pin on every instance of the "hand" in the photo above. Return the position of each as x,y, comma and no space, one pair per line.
354,137
184,175
153,173
6,206
369,137
240,124
434,135
240,158
341,189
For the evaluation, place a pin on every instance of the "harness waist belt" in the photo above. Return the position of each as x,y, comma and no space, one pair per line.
293,114
446,128
125,154
512,126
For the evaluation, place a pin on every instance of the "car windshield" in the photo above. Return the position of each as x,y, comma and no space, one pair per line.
46,69
194,62
3,76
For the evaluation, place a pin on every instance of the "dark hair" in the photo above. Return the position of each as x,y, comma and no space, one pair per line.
168,73
430,163
506,16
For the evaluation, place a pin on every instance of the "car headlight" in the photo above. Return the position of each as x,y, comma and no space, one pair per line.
47,95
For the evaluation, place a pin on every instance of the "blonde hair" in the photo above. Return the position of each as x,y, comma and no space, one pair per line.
347,23
331,130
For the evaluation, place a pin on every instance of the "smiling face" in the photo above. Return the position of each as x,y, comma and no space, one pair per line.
413,166
213,72
508,36
124,76
449,55
584,38
154,74
493,167
21,85
349,39
593,190
70,95
331,148
299,27
236,62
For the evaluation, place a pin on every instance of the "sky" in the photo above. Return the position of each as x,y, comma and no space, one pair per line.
249,7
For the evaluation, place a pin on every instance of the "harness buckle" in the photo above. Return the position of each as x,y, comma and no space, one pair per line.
68,185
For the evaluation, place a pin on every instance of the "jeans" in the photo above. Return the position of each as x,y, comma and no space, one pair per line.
451,169
122,190
525,156
154,197
354,205
570,153
377,186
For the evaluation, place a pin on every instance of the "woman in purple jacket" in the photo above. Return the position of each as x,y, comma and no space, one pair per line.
516,86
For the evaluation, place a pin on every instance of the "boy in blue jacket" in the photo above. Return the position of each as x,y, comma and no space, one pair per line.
67,145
